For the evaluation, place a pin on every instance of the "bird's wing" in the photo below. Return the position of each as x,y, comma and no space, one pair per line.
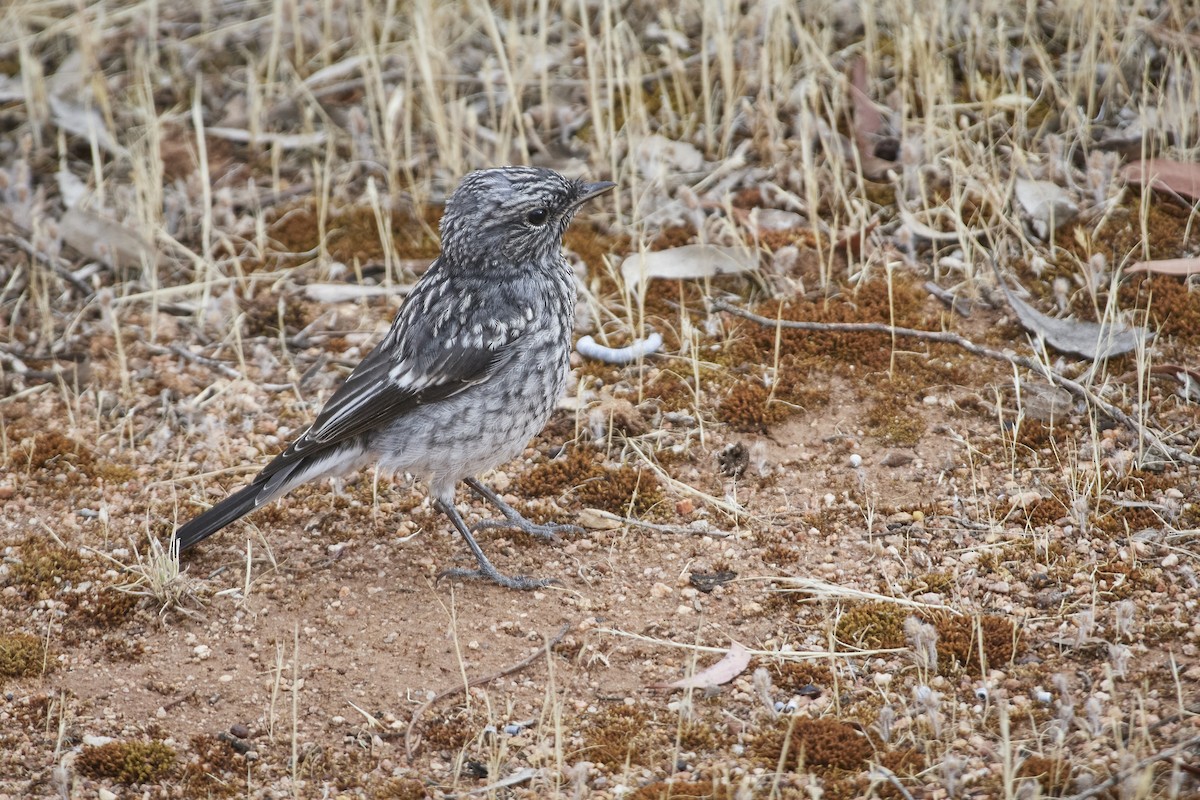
426,357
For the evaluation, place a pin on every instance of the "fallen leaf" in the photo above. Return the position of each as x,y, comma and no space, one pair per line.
869,126
1180,267
867,119
1164,174
1091,340
85,123
1045,402
658,155
104,239
686,262
923,231
70,188
596,520
733,664
1047,204
763,220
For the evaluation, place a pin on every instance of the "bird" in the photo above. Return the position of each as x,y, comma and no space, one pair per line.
469,371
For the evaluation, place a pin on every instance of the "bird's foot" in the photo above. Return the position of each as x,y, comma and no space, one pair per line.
489,573
513,518
548,531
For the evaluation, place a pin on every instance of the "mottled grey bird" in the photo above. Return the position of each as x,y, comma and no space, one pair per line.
470,369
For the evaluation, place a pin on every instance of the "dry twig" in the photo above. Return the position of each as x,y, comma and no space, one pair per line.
411,742
1149,437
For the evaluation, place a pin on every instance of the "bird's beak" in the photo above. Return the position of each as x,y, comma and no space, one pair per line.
589,190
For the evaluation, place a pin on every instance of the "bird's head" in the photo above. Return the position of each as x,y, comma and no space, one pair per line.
519,213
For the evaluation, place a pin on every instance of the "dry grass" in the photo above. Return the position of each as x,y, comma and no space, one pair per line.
1007,593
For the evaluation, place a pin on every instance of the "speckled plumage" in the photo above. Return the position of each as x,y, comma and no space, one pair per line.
470,369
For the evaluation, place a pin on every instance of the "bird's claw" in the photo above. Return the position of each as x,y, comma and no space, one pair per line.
547,531
522,582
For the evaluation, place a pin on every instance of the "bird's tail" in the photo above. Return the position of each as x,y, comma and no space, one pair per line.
277,478
234,507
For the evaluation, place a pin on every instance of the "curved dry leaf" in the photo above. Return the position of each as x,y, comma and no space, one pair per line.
1180,267
1164,174
733,664
595,519
923,231
869,128
686,262
1091,340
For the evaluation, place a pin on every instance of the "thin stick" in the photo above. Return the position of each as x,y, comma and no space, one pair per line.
1104,786
60,266
1150,437
214,364
411,743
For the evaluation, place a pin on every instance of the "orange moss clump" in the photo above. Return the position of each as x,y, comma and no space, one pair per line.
749,407
682,790
814,743
959,642
1053,774
594,485
619,735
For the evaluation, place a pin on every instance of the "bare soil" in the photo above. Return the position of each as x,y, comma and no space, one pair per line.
953,579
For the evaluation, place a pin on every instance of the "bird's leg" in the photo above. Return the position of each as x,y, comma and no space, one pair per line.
513,518
486,570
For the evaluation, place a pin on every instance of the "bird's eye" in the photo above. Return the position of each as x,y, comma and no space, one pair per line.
537,218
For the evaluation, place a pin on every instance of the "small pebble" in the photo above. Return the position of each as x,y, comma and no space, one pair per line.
239,730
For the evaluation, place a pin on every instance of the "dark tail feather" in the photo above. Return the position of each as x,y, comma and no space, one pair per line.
236,506
282,475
